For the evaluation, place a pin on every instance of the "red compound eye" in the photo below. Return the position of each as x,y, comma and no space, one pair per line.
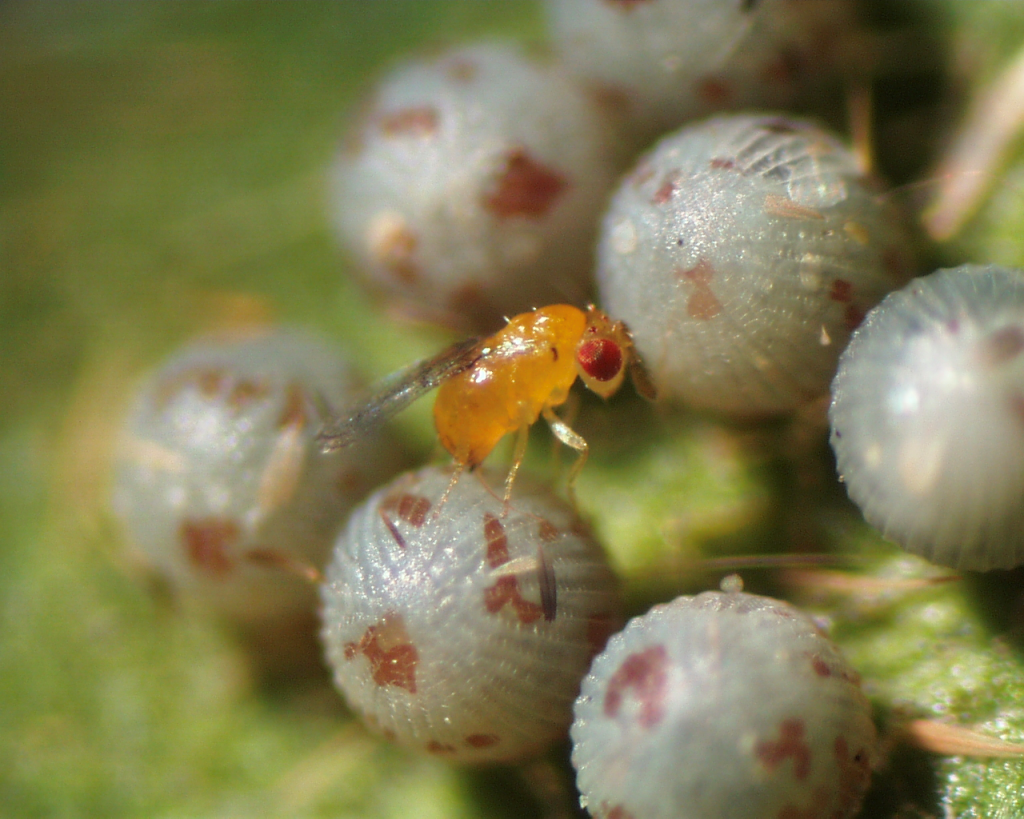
600,358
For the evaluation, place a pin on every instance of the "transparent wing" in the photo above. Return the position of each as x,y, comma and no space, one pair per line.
397,391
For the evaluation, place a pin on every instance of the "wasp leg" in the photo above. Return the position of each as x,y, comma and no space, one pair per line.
456,474
522,436
564,433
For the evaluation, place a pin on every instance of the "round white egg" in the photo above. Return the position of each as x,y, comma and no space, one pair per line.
473,184
666,61
725,705
741,252
927,417
219,482
458,629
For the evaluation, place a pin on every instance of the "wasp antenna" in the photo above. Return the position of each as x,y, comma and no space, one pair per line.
642,382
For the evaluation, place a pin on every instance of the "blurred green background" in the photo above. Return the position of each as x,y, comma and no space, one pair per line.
162,174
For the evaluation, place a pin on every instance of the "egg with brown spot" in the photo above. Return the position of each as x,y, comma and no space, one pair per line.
728,253
725,705
461,627
476,191
219,483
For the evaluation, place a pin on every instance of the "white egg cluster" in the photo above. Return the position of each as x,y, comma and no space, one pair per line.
218,476
742,251
722,706
473,186
927,417
667,61
461,630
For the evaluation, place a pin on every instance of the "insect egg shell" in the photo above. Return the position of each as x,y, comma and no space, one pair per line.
742,251
473,186
673,60
722,706
462,632
927,417
218,462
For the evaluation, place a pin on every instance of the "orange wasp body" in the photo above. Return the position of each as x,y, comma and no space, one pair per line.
505,382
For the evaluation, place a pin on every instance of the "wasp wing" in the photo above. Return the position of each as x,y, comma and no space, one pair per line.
397,391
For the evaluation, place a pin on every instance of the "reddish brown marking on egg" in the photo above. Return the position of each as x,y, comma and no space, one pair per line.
208,381
211,382
1002,346
389,735
645,674
722,164
616,812
821,668
791,744
702,304
853,316
435,747
854,775
663,194
462,70
600,627
419,121
393,657
482,740
841,291
413,509
207,542
294,412
1015,403
600,358
713,91
525,188
506,590
245,391
404,270
497,542
547,531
